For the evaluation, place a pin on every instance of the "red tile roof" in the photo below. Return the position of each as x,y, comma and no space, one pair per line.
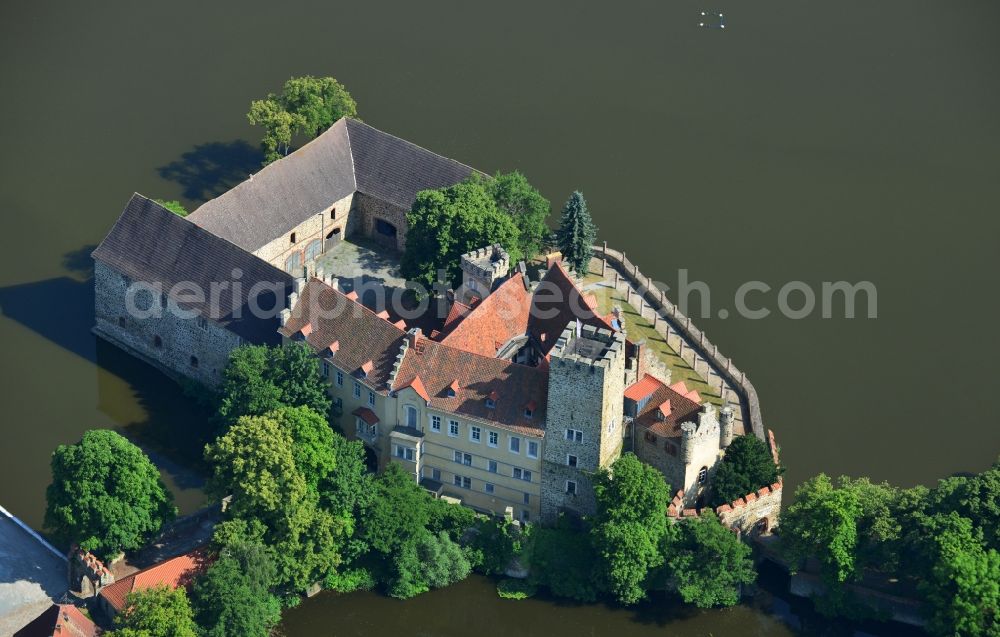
498,318
365,414
174,572
439,366
361,335
418,386
682,389
679,407
59,620
642,388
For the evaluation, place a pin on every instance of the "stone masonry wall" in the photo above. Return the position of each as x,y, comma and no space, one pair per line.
686,339
317,226
180,338
754,514
579,390
372,209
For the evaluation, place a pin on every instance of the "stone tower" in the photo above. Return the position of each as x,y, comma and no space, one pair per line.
726,421
482,270
583,428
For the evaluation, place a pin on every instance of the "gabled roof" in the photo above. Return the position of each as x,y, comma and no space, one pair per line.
363,336
59,620
674,408
499,317
365,414
348,157
438,366
174,572
151,244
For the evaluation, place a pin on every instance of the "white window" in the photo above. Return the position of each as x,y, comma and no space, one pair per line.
492,466
340,378
326,369
463,481
406,453
702,475
488,487
527,498
574,435
410,416
452,427
475,433
570,487
365,430
357,389
436,423
521,474
494,438
515,444
532,449
570,460
463,458
436,474
371,399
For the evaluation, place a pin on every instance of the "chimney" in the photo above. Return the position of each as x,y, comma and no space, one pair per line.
299,283
413,336
284,315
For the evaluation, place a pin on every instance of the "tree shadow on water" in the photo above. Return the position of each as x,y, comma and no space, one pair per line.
212,168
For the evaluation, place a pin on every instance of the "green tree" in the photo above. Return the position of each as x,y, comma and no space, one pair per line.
259,379
493,545
319,101
822,523
526,206
630,527
974,497
156,612
398,511
746,467
229,602
279,126
963,587
313,448
105,495
453,519
306,106
446,223
272,502
563,560
708,563
878,526
576,234
174,206
428,561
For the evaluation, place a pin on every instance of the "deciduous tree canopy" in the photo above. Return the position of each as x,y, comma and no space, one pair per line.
105,495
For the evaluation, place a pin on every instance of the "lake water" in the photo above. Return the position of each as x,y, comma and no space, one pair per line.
806,141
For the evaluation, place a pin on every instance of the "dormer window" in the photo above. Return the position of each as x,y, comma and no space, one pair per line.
292,238
528,413
366,369
491,400
453,389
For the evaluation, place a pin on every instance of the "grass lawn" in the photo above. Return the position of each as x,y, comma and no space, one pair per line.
640,330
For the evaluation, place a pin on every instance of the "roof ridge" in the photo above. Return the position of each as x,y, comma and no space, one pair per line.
350,150
351,120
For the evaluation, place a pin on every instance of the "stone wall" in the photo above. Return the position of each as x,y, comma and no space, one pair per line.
315,228
754,514
180,339
580,388
686,339
371,210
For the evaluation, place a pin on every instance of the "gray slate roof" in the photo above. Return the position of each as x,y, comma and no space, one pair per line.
151,244
349,157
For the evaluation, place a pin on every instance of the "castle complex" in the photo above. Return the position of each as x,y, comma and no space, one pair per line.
509,404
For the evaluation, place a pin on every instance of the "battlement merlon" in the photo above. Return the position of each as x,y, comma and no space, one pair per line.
491,262
594,347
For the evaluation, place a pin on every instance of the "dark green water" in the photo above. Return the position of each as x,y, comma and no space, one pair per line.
807,141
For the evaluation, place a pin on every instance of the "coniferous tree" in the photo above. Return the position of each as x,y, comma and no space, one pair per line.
577,233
